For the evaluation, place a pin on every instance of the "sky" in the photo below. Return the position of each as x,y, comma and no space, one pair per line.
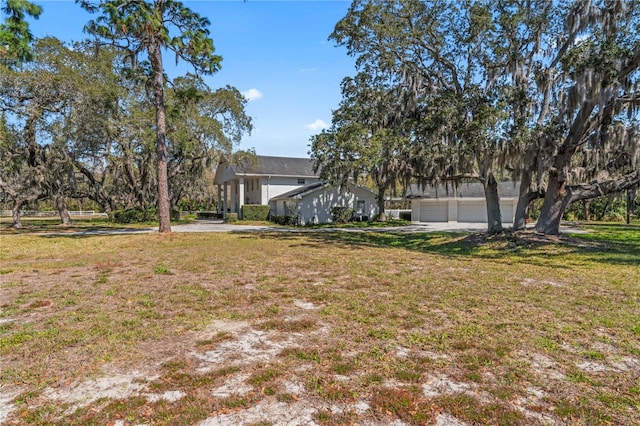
277,53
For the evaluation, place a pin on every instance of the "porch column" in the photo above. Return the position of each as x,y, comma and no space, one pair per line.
224,202
240,196
219,205
234,196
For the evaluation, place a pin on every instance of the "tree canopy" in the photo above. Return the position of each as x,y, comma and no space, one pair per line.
542,92
15,36
150,26
77,123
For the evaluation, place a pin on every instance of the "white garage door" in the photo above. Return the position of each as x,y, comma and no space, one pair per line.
434,211
506,210
472,211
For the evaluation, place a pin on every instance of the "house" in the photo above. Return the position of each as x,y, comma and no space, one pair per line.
466,203
312,203
289,185
257,179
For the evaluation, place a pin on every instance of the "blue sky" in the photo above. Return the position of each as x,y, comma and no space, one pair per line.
276,52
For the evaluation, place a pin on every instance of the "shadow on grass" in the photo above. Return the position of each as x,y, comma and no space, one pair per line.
613,244
617,246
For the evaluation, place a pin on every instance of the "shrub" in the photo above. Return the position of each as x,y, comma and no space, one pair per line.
255,212
134,215
282,220
405,216
208,215
341,214
231,217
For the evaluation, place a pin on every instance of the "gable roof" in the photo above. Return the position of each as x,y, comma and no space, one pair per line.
300,192
275,166
507,189
303,191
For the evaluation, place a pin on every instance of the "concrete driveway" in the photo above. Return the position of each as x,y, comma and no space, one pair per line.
219,226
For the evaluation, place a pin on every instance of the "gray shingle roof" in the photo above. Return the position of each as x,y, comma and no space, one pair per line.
276,166
464,190
299,192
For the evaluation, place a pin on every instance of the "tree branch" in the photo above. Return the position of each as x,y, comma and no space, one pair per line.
596,189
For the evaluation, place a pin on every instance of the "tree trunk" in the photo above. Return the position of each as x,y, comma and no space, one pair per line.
61,206
382,216
586,206
99,194
631,201
525,198
494,217
164,210
15,213
556,201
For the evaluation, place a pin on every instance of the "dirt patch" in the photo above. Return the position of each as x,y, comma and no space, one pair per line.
235,385
443,385
248,346
113,386
544,366
448,420
279,413
7,395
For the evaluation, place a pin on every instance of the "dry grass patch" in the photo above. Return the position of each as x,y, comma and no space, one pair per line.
331,328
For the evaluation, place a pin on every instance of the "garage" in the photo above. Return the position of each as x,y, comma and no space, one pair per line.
507,210
464,203
434,211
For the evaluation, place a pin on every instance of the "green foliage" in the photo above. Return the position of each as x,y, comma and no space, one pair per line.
152,26
611,208
207,215
341,214
143,25
15,37
282,220
134,215
255,212
405,216
231,217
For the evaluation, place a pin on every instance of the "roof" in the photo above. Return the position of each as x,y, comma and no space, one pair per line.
276,166
301,191
509,189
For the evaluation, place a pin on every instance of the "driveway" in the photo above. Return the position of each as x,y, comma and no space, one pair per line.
219,226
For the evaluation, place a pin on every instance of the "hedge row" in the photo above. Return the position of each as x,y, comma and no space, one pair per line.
255,212
139,215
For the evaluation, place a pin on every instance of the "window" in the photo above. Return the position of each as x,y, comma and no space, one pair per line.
300,181
360,206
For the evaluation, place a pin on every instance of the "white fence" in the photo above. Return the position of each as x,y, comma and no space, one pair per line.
36,213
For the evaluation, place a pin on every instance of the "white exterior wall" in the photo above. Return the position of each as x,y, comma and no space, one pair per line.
277,185
253,191
319,203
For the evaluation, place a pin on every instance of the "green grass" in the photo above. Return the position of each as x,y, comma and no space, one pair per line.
372,316
79,224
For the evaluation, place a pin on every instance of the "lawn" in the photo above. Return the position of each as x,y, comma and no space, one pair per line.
325,328
51,224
